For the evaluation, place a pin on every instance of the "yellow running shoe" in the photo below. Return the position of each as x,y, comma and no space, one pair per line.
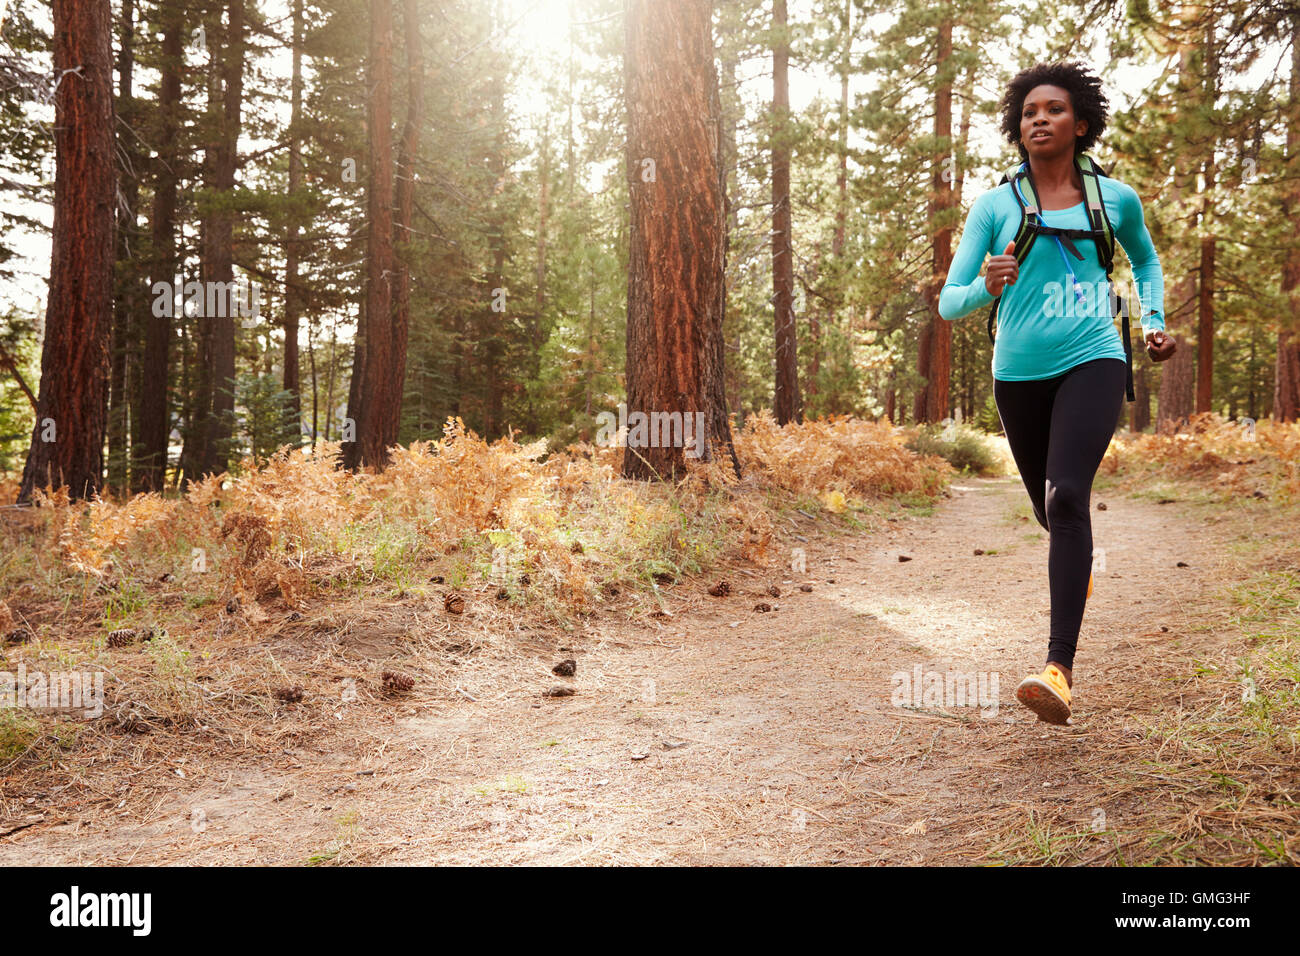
1047,695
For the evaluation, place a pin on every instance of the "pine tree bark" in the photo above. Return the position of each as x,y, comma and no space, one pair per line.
532,423
730,111
842,134
378,392
408,154
1286,388
719,422
1205,281
208,442
293,296
221,257
122,390
1178,374
787,406
942,197
1205,327
492,337
68,438
924,356
1140,409
676,267
150,466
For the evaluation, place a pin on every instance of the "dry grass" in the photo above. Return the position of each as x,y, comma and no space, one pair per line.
839,454
564,521
289,587
1227,459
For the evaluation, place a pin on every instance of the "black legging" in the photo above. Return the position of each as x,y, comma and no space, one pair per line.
1058,429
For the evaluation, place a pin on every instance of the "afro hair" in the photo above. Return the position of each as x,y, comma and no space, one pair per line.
1086,97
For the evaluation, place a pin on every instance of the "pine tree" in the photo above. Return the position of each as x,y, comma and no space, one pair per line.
67,441
676,265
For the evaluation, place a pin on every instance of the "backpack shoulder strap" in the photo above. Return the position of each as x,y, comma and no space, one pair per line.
1105,235
1022,187
1090,172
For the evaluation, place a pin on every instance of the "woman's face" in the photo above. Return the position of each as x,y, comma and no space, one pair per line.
1048,126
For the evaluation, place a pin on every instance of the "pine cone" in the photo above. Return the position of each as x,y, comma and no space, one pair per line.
774,590
566,668
395,682
122,637
454,604
436,579
577,547
166,578
502,594
721,589
232,606
762,606
19,636
290,695
524,580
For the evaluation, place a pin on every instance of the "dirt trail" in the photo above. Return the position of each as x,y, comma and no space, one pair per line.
691,740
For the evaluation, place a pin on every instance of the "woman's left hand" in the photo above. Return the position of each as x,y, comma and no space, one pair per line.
1160,346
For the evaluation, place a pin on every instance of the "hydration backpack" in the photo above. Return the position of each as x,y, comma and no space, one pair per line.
1032,226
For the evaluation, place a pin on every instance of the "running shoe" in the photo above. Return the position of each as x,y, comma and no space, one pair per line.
1047,695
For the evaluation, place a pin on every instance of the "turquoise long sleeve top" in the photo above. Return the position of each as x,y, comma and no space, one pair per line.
1047,322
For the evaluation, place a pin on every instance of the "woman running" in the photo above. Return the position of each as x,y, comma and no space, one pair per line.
1059,368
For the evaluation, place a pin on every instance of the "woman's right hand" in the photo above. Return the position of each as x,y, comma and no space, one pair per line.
1001,271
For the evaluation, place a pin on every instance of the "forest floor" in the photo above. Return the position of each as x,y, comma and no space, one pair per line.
718,734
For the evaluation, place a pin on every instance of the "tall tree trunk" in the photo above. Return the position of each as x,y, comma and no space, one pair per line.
126,297
532,423
1205,326
813,309
676,258
842,134
379,392
491,340
150,465
408,154
1286,387
1205,281
1178,375
786,404
68,438
1140,409
208,444
292,292
719,422
834,298
315,391
729,112
924,356
936,392
221,257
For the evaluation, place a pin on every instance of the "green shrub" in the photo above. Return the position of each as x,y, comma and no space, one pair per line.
965,448
987,418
